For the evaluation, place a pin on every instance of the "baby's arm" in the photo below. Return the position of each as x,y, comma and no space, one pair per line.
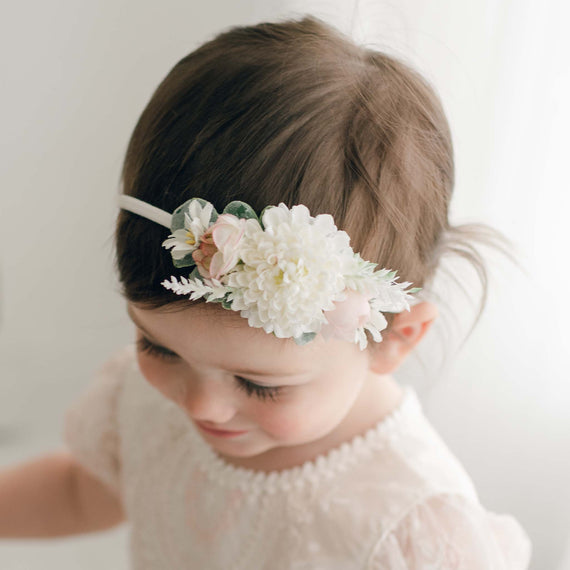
54,496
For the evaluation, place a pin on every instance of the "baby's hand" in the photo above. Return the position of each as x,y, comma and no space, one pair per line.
54,496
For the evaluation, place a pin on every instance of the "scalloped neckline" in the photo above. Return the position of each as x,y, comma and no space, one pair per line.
334,460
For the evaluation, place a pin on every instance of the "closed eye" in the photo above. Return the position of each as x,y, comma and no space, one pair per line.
144,345
260,392
250,388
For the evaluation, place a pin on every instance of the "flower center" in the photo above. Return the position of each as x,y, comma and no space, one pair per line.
190,238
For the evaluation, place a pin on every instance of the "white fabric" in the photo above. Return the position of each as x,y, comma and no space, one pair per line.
394,498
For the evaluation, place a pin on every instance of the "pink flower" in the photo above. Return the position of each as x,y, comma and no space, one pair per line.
347,317
218,250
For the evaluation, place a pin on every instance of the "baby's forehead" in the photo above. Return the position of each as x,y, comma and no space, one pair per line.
225,326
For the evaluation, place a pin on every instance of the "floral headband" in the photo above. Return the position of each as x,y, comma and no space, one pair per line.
287,272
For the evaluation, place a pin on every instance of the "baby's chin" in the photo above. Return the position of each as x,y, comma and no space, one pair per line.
248,459
260,456
234,449
268,458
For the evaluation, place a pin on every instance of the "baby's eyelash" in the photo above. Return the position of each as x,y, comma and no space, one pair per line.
261,392
144,345
250,388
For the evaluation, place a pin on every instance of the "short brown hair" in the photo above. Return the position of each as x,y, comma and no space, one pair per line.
295,112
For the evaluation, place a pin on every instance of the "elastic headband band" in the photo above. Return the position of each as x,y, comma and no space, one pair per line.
145,210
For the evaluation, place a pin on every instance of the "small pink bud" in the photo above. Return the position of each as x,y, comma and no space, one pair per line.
347,316
218,250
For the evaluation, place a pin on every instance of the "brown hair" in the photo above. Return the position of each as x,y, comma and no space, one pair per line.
295,112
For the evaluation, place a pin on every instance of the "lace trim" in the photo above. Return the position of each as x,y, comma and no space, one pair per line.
323,466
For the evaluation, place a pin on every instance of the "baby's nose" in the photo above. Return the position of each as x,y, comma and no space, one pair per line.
210,401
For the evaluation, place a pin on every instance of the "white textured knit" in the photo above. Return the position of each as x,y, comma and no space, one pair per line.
394,498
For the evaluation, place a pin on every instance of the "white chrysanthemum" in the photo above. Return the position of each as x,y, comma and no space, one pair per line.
196,221
292,271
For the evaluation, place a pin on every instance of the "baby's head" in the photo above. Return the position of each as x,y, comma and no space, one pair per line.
291,113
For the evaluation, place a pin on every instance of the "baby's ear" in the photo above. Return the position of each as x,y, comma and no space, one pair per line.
408,328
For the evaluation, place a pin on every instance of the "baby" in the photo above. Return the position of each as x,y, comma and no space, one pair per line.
284,208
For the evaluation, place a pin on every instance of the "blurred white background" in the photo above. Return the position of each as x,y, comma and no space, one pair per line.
76,76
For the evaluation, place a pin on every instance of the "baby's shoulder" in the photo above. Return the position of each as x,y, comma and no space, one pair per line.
91,428
419,461
409,462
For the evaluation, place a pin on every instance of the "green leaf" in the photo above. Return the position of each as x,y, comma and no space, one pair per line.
414,290
226,304
186,261
304,338
178,214
240,210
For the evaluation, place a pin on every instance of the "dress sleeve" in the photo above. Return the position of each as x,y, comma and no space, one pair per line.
452,532
91,427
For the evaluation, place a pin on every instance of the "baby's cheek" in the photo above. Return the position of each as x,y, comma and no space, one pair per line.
157,375
150,369
288,423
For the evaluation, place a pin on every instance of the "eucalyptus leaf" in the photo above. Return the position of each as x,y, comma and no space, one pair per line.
186,261
240,210
196,275
304,338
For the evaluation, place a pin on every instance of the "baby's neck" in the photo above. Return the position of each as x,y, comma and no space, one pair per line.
381,397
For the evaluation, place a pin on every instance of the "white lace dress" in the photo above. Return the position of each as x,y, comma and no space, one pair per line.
392,499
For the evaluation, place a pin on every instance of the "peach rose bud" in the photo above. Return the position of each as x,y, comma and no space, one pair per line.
218,250
347,316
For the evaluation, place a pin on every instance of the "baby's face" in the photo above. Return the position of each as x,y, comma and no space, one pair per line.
249,393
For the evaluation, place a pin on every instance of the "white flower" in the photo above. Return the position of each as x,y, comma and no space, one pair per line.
196,221
292,271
